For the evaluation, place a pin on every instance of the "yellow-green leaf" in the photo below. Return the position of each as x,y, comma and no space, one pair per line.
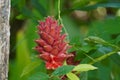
84,67
72,76
30,67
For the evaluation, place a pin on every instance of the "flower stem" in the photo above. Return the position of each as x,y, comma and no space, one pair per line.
60,20
59,10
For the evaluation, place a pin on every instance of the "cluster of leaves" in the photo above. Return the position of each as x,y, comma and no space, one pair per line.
61,71
98,38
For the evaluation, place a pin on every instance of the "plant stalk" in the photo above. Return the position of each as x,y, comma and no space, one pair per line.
103,57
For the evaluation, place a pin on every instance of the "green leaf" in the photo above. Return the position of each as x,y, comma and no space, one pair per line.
95,39
31,35
83,76
84,67
72,30
63,70
91,7
115,71
87,48
39,76
104,50
115,58
55,78
103,73
20,17
39,7
104,69
25,13
22,58
117,40
19,4
30,68
105,29
72,76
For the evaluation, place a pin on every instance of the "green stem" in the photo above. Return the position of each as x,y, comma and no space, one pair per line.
59,10
114,46
101,41
60,20
89,57
85,54
103,57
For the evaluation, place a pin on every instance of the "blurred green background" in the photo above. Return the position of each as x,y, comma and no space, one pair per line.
81,18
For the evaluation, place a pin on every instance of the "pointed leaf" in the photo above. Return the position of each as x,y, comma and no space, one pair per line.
39,76
95,39
84,67
72,76
30,67
63,70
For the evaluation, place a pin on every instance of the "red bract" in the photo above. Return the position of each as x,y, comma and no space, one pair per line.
71,60
51,45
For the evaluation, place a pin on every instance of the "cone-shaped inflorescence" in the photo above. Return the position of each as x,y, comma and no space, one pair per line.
51,45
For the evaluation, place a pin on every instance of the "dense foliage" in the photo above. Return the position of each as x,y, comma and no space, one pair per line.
93,32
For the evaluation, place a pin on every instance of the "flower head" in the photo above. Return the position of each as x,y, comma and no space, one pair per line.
51,46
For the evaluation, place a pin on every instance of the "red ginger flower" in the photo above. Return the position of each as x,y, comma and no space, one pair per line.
51,45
